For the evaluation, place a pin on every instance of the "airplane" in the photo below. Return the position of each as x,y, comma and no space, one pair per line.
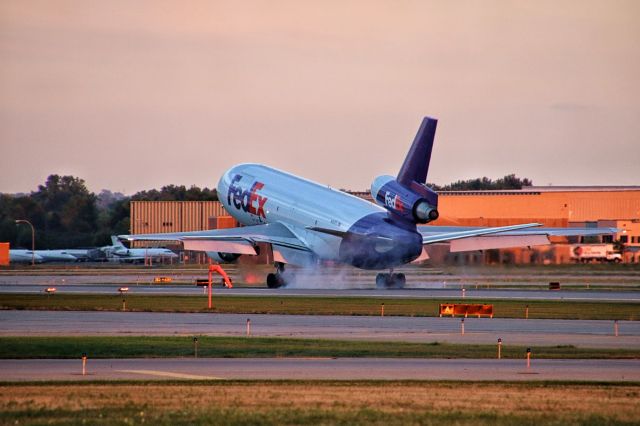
81,255
41,256
119,252
56,256
305,222
24,256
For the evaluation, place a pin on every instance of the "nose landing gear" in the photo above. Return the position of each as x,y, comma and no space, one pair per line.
390,280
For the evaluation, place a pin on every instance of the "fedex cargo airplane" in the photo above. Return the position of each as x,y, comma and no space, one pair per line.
305,222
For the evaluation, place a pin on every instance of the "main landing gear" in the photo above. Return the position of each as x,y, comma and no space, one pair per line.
278,279
390,280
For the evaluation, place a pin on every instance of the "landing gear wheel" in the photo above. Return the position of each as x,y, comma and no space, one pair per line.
400,280
389,281
277,280
274,281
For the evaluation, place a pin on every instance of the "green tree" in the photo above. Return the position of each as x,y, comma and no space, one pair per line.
482,184
177,193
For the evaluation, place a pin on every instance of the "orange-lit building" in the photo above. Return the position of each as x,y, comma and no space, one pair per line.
150,217
597,206
552,206
610,206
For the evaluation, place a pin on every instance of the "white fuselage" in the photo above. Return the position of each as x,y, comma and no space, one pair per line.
56,256
121,252
256,194
19,256
24,256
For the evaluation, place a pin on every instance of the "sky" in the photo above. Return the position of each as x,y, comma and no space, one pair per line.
137,95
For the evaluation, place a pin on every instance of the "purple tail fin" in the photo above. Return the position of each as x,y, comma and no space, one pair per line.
416,165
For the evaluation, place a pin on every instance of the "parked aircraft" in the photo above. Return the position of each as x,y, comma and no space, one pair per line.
41,256
23,256
56,256
305,222
82,254
119,252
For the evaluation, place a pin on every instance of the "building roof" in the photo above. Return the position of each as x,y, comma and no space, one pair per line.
592,188
527,190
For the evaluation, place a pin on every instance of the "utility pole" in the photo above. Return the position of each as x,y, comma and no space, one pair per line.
33,239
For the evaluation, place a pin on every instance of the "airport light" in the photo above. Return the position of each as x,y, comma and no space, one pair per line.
123,291
33,239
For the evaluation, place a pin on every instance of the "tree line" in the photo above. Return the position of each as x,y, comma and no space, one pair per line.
479,184
65,214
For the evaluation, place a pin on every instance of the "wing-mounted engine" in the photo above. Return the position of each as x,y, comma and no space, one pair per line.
418,203
223,257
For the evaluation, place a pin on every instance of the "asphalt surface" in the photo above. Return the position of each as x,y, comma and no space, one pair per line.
532,332
322,368
409,293
422,282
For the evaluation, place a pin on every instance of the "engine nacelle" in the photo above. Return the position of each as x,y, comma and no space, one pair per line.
223,257
417,204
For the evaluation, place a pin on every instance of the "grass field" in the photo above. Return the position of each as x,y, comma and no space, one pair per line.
321,402
319,306
242,347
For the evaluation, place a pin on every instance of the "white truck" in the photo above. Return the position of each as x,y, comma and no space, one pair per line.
595,253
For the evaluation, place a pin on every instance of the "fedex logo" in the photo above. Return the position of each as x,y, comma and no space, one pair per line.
246,200
393,201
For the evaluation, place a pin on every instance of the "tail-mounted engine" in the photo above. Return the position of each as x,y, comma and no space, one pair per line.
417,203
407,196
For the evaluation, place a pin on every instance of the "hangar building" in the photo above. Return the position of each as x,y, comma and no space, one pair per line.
556,206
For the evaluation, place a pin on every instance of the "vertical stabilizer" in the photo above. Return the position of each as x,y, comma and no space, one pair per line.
116,242
416,165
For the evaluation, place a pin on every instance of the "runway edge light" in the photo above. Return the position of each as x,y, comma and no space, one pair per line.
84,363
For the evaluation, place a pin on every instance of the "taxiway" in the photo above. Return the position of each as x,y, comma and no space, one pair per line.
531,332
320,368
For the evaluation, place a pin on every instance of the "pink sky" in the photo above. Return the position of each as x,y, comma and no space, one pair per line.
136,95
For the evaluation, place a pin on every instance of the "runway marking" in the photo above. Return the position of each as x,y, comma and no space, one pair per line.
171,374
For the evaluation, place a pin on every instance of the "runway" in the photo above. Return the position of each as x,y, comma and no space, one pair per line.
438,292
329,368
336,281
532,332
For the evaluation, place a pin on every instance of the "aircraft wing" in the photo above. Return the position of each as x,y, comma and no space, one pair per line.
474,238
286,246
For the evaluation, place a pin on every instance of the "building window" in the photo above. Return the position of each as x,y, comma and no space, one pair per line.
624,239
607,238
167,223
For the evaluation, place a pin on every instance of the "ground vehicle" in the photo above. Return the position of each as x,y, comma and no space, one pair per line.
595,252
